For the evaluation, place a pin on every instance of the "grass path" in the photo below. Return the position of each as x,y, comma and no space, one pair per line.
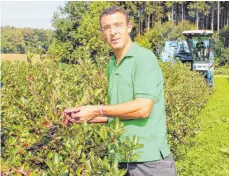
210,154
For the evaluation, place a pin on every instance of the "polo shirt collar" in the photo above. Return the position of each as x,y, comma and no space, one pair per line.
130,53
132,50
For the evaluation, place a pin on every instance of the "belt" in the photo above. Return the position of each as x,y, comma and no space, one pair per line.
133,165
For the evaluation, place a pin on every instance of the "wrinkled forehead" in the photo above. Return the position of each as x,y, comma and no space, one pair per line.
113,18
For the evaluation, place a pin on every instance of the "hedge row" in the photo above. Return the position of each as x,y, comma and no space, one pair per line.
35,142
186,93
222,70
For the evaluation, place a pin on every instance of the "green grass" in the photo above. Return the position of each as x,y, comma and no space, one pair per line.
209,156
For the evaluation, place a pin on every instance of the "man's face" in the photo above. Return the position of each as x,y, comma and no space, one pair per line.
115,30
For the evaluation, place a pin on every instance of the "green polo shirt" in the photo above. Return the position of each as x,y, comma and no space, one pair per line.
139,75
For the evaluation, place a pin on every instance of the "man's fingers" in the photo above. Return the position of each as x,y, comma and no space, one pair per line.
78,121
65,122
72,110
71,120
74,119
67,116
71,114
76,115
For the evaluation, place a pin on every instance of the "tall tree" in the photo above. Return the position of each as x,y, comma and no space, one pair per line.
149,9
66,20
213,5
157,11
89,33
218,15
77,31
169,5
227,14
198,8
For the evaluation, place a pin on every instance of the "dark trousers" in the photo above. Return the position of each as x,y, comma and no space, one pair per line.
163,167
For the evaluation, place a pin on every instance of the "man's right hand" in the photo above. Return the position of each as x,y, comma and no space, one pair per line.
69,114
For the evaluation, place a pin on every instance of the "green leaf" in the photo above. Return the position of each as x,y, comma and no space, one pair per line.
50,155
115,164
49,164
63,169
106,163
88,165
121,172
135,140
12,140
56,158
138,146
98,91
25,133
78,171
34,174
67,145
44,174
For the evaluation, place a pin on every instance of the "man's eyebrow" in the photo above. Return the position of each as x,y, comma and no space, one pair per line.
106,25
115,23
119,23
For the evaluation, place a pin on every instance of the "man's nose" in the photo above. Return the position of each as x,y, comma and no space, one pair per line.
113,30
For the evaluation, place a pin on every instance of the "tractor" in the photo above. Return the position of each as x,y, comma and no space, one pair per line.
202,57
195,51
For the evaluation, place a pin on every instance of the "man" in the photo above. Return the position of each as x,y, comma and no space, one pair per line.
200,47
200,44
136,97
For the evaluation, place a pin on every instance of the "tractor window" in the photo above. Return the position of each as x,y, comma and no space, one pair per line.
200,47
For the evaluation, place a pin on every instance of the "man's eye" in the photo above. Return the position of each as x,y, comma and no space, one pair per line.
119,25
106,28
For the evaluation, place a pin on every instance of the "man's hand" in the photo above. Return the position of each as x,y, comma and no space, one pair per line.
79,114
86,113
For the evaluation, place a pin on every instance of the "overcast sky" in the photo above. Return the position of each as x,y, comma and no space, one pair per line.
35,14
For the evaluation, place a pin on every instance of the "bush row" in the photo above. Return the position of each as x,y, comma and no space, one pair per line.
186,93
222,70
34,140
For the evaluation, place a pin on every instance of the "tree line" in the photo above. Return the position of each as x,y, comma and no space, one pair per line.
205,14
77,34
77,30
22,40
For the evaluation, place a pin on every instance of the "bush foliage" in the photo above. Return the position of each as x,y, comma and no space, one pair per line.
186,93
35,141
33,136
222,70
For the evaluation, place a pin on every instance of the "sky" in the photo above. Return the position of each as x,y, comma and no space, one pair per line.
35,14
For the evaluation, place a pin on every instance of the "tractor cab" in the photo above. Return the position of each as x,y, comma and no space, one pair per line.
200,47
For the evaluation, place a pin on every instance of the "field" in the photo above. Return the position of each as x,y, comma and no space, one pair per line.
209,154
18,57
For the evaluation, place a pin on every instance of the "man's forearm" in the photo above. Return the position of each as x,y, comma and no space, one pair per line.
138,108
99,120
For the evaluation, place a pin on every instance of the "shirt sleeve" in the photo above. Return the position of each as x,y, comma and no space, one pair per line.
148,80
